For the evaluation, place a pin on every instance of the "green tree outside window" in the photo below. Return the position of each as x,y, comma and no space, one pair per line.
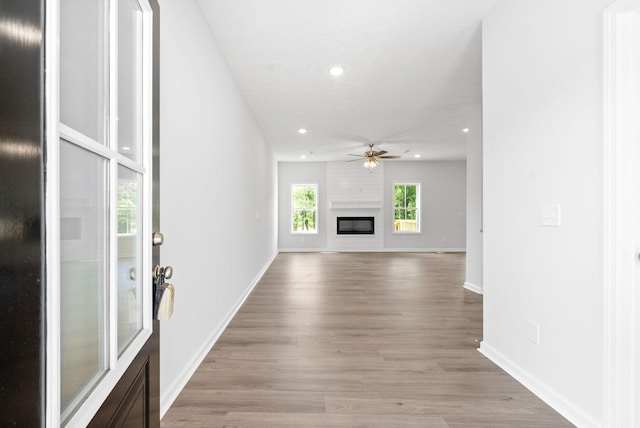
406,207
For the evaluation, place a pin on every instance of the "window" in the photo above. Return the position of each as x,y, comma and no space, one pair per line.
127,207
304,208
406,208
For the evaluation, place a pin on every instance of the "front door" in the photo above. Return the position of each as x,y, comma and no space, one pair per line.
102,209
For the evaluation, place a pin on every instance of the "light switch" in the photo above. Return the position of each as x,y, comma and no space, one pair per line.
550,215
533,332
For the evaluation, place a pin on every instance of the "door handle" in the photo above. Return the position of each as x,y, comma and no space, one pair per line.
163,292
162,272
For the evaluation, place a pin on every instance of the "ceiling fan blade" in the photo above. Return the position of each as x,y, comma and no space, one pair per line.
381,152
360,156
390,157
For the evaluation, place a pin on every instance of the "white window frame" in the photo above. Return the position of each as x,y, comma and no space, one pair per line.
291,208
117,364
418,230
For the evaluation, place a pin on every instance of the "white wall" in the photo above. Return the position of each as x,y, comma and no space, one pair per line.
542,85
443,204
218,193
473,280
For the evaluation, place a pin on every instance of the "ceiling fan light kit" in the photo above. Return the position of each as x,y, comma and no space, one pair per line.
372,157
370,163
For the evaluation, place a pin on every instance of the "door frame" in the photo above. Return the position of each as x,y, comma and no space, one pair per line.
620,299
52,208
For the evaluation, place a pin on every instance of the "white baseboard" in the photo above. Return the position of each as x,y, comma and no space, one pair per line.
472,287
375,250
424,250
168,397
303,250
559,403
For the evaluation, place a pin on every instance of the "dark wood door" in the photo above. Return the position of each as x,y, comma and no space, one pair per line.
135,400
21,214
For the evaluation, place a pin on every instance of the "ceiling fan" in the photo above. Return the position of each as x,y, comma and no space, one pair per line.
372,157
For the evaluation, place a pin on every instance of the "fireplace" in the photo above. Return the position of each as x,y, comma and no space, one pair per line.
355,226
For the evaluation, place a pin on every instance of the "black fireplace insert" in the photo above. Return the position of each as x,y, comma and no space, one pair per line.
356,226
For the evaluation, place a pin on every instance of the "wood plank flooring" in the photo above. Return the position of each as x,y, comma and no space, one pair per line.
357,340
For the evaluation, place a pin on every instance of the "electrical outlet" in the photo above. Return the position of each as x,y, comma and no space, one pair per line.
550,215
533,332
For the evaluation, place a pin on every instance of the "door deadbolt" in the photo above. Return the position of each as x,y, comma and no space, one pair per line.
157,239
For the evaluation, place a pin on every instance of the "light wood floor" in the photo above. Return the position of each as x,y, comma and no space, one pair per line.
357,340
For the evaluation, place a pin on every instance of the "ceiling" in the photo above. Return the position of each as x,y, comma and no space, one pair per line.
412,68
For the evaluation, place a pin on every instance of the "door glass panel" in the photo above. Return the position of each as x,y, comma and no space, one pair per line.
83,74
129,256
84,209
129,78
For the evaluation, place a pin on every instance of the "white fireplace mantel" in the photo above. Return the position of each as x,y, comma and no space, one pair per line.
349,205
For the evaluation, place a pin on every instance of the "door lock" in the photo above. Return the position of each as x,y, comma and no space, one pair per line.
157,239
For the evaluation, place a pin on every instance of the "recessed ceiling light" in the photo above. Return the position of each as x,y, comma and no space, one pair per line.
417,155
465,130
303,157
302,131
336,70
126,148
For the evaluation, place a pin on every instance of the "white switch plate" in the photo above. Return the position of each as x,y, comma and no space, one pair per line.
550,215
533,332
